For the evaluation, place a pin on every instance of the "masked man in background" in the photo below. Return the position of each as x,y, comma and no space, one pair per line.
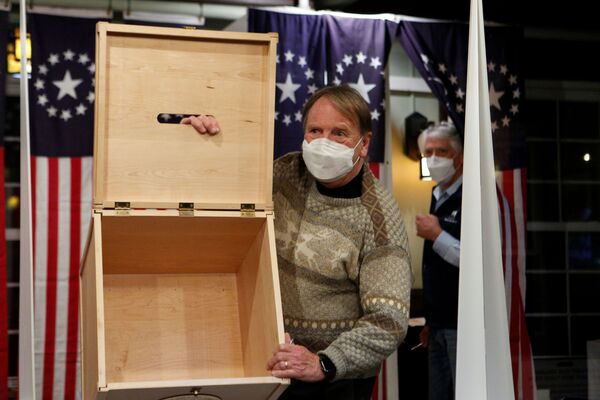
442,146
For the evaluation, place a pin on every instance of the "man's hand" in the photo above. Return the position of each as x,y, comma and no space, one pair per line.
297,362
203,124
428,226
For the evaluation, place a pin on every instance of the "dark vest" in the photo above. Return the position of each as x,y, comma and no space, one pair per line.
440,278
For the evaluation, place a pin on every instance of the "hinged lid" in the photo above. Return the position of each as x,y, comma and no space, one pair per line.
248,210
122,207
186,209
143,72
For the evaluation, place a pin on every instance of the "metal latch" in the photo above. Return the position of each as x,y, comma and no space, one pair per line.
247,210
122,207
186,209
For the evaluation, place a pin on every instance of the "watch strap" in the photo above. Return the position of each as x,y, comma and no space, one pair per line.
327,366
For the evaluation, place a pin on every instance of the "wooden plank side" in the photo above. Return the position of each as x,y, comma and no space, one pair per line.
224,389
131,29
171,205
92,315
274,271
169,245
149,72
148,160
258,341
100,110
260,321
271,67
175,213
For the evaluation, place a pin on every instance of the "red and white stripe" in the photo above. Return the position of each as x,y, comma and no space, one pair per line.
380,388
512,206
61,198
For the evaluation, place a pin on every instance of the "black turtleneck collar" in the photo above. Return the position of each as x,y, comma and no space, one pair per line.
350,190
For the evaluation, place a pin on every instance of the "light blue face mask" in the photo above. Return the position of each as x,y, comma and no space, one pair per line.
327,160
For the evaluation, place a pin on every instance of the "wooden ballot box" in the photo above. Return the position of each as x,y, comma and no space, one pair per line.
179,284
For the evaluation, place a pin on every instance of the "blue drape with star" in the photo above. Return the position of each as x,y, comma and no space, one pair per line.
439,52
315,50
61,91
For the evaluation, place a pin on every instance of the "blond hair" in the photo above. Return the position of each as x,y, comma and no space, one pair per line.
347,101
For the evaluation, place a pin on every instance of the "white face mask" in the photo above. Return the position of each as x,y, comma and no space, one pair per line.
327,160
440,168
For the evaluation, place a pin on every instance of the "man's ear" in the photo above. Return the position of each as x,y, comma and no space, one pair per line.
366,140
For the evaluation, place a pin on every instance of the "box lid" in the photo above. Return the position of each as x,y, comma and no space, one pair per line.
143,72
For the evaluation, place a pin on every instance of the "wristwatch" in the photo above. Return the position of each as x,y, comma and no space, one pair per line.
327,366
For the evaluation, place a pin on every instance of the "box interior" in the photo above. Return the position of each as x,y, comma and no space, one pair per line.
187,297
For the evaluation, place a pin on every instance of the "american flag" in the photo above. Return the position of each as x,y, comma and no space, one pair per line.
61,96
319,49
439,51
3,289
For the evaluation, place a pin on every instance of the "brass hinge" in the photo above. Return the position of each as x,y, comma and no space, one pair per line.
186,209
247,210
122,207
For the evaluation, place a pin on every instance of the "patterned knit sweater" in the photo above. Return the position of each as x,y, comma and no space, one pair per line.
344,269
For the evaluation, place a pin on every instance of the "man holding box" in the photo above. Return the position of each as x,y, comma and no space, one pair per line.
342,252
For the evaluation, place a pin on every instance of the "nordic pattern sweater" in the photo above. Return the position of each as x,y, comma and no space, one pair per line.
344,269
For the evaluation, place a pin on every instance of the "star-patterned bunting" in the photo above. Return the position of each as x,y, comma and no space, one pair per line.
319,50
